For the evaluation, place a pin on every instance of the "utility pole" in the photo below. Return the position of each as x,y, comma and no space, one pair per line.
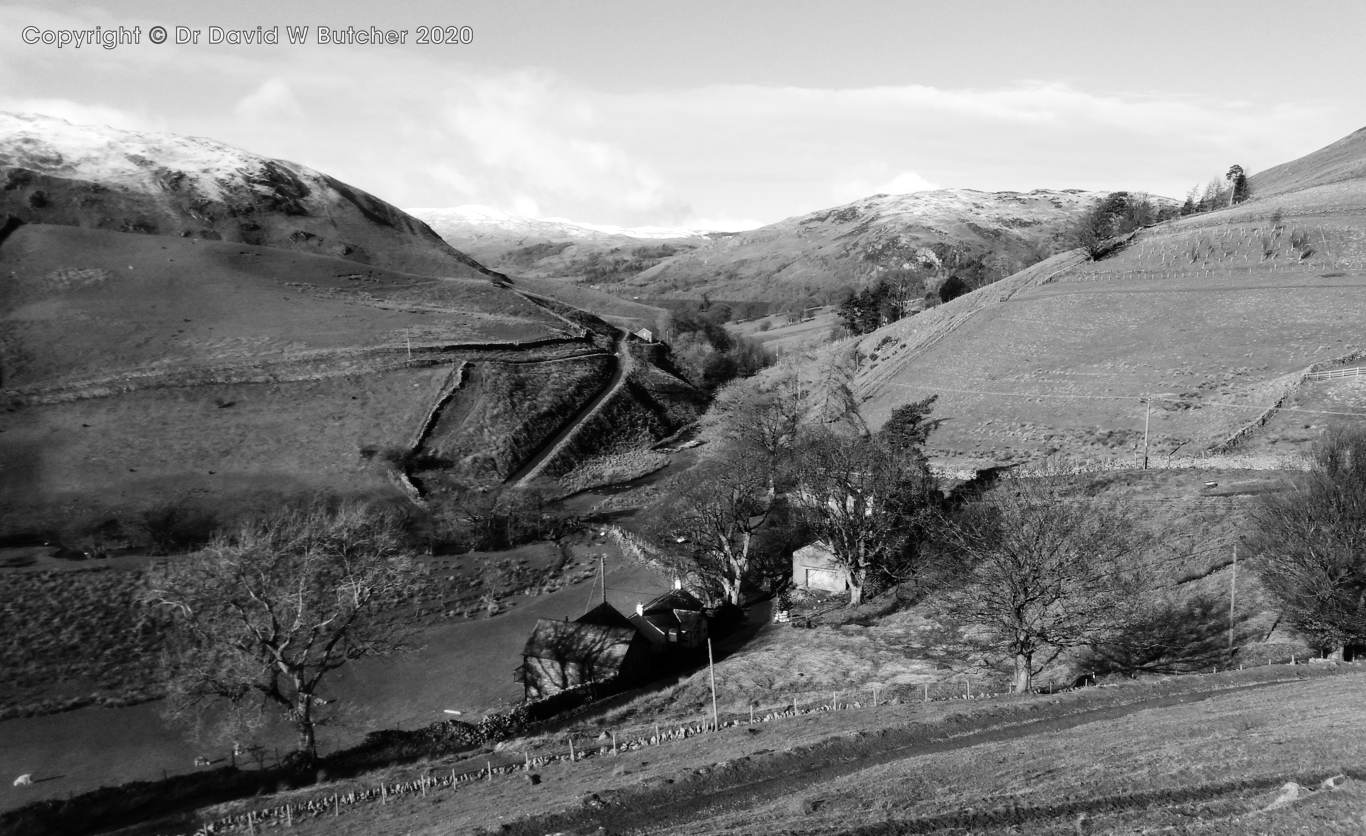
711,665
408,335
1146,419
602,573
1232,599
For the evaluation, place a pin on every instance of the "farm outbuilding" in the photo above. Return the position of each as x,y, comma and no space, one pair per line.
814,567
602,647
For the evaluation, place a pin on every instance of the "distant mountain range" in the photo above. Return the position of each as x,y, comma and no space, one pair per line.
801,259
810,256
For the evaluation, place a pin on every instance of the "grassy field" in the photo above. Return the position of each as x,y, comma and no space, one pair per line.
1206,754
1191,313
796,337
466,664
75,638
229,446
140,370
615,309
85,305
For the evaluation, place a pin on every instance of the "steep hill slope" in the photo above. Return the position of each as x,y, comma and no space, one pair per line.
1341,161
144,370
1215,317
560,249
52,171
810,257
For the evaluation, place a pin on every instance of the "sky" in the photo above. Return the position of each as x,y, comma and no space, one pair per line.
722,115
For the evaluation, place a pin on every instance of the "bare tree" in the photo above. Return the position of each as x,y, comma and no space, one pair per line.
710,526
273,606
762,415
1309,544
868,501
1042,573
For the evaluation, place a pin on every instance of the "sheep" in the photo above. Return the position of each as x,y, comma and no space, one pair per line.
24,780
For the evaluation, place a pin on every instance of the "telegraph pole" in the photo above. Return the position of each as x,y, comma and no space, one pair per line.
1147,418
602,572
1232,599
711,665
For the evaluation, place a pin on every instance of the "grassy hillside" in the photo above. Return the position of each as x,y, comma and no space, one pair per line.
1216,317
1209,755
1341,161
619,311
139,370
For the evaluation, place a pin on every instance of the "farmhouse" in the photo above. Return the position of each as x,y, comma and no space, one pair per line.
814,567
646,334
676,620
601,647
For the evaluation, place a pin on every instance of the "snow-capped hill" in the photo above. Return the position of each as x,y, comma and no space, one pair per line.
55,172
555,247
484,221
809,257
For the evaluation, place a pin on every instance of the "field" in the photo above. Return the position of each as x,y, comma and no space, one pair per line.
1194,314
1205,754
784,338
467,663
83,306
142,370
616,310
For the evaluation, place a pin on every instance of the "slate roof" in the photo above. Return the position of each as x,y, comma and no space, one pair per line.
591,645
674,599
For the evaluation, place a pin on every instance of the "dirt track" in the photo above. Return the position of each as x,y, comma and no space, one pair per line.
532,467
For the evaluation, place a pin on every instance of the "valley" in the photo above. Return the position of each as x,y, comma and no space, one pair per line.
194,336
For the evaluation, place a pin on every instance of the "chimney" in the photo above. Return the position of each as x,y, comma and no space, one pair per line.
678,582
640,608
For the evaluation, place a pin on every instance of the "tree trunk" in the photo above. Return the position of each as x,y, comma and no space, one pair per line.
1023,676
731,589
856,587
308,741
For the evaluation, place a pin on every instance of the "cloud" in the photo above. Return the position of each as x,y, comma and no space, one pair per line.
273,100
534,143
83,114
426,128
722,224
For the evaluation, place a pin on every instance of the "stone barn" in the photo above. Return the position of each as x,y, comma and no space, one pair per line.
601,647
815,567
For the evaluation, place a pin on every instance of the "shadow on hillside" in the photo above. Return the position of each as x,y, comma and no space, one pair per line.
1173,637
